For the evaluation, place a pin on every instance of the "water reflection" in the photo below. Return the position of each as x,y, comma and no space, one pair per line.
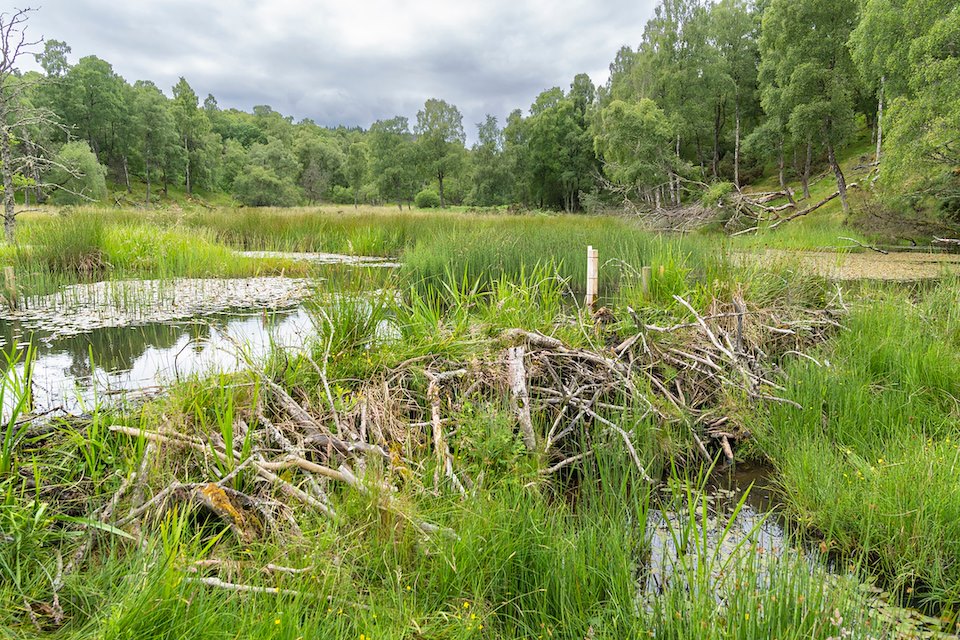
70,372
680,532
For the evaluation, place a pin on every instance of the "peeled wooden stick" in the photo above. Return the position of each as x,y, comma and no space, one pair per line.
442,451
258,465
243,588
519,397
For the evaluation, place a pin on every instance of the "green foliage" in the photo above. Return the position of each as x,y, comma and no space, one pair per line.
77,175
634,141
427,199
716,195
490,180
440,140
551,151
925,118
807,76
342,195
259,186
393,159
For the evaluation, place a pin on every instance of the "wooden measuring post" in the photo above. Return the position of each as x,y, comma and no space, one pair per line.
593,274
645,273
10,287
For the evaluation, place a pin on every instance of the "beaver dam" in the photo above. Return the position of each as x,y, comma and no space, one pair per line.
455,446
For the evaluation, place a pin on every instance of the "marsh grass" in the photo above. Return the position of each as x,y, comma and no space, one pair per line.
871,461
532,558
86,246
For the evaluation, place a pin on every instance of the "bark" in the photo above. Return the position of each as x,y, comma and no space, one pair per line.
186,150
883,81
736,149
147,168
519,397
677,176
780,171
700,154
443,204
805,174
126,174
717,128
6,161
841,181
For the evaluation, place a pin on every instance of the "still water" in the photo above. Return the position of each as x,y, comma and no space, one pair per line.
71,372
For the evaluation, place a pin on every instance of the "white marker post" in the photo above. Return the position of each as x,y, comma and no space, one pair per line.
593,273
645,273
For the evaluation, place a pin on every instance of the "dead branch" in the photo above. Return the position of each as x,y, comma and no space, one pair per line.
519,398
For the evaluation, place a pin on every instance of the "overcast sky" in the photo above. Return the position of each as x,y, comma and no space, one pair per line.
351,61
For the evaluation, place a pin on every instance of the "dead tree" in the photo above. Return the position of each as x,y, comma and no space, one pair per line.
17,116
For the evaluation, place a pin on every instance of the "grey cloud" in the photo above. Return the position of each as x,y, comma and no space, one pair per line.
356,62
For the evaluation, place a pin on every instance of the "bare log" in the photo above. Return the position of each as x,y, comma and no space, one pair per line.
519,398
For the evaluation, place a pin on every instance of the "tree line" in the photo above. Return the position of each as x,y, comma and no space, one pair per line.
715,93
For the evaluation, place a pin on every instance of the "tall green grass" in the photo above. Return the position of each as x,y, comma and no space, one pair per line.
871,462
54,251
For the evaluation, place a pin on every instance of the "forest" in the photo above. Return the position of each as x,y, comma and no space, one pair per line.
714,97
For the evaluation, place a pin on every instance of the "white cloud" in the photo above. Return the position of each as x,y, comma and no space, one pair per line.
352,62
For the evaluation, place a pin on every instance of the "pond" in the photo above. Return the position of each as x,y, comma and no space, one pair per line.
72,372
106,340
736,512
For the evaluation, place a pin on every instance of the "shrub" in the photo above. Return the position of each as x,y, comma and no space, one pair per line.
716,195
260,186
79,176
427,199
341,195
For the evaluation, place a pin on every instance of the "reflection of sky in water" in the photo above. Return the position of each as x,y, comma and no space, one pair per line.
137,358
673,526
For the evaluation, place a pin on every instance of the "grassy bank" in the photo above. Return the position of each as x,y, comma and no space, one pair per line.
87,246
871,462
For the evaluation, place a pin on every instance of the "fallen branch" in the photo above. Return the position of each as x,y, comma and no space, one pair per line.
810,209
519,398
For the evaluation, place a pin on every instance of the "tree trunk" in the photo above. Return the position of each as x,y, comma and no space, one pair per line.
38,194
841,182
443,204
126,174
146,164
6,167
805,174
677,173
186,150
717,128
780,170
736,149
703,168
883,81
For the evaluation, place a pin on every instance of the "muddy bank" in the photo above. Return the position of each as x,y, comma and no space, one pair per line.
899,266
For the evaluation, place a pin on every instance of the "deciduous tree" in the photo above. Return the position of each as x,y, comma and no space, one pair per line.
440,140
